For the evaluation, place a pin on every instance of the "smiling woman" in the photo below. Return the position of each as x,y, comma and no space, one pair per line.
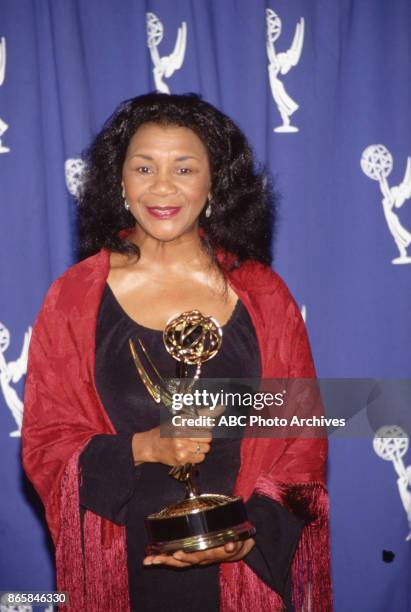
166,184
166,181
173,217
239,215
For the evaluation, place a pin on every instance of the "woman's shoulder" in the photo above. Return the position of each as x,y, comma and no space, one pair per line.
260,278
267,291
73,284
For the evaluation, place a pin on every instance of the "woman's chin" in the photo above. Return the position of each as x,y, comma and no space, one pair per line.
168,232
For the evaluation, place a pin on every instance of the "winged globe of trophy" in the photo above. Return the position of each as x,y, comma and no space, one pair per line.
199,521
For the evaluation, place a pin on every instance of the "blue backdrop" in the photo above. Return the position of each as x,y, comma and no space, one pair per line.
323,91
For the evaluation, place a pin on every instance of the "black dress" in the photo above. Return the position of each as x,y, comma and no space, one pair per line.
113,487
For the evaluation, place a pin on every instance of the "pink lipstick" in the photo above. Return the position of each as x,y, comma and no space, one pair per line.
163,212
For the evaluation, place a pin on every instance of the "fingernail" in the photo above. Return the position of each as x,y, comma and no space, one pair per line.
156,561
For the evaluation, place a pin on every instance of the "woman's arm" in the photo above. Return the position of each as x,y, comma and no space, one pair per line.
109,466
107,476
277,534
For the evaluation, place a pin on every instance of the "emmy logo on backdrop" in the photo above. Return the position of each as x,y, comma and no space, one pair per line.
3,124
164,67
377,163
304,312
12,372
74,173
281,63
391,443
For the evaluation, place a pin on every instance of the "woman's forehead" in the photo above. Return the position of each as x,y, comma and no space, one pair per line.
158,138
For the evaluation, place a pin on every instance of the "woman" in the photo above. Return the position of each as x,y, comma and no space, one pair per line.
173,216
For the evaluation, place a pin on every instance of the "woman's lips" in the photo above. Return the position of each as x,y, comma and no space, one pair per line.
163,212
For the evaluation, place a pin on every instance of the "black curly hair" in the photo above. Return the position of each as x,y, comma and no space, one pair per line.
243,201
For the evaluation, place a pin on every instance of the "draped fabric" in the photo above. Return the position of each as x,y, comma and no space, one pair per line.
63,411
323,91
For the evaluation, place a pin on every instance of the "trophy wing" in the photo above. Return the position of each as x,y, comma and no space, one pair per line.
404,189
159,391
176,58
20,365
272,57
2,59
292,56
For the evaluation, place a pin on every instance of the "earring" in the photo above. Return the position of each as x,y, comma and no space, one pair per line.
208,209
123,195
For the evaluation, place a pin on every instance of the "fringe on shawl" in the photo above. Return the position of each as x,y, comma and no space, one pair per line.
311,576
84,577
241,589
98,579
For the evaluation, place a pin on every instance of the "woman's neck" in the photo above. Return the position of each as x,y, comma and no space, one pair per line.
185,252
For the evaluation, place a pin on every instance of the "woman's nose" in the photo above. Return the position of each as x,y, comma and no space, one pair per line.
162,183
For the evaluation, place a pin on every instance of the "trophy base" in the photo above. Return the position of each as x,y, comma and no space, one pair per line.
404,259
285,129
198,523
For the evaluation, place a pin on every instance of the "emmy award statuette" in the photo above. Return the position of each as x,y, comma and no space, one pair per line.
199,521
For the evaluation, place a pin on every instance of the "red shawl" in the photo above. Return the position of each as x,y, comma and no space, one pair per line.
62,412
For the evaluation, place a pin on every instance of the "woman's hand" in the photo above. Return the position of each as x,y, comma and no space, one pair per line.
148,446
185,445
232,551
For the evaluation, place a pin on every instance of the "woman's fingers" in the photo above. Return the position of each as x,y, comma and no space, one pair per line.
165,560
212,555
187,451
191,450
214,413
231,551
176,449
207,437
153,447
199,447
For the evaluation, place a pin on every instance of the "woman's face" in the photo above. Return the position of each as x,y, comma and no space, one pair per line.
166,180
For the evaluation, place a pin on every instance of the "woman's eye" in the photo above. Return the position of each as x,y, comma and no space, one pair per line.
185,170
143,169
